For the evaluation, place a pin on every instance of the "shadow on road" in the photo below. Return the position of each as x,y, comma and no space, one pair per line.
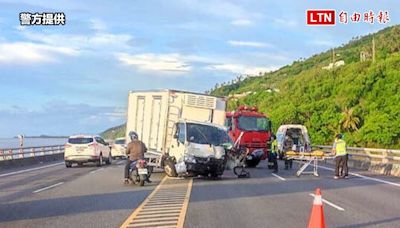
71,205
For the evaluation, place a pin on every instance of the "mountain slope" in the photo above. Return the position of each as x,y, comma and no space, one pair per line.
114,132
360,99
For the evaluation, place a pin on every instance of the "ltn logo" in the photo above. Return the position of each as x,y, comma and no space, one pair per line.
320,17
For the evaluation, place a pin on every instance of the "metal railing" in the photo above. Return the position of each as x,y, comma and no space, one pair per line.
28,152
383,156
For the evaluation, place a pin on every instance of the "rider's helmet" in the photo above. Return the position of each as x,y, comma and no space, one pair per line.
133,135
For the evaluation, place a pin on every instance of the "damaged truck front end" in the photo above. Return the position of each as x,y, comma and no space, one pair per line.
198,149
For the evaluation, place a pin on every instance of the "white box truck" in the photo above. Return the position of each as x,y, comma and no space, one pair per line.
187,128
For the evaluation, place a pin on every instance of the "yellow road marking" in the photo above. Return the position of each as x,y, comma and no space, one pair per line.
166,206
182,216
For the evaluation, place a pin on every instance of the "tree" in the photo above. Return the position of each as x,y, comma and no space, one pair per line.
349,121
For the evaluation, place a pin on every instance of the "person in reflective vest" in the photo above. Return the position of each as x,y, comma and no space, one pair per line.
273,155
340,152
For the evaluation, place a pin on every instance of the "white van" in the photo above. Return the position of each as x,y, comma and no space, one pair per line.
297,134
82,149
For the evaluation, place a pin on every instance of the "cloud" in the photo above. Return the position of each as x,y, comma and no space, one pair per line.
98,25
241,69
174,63
26,52
60,118
248,44
242,22
285,22
98,41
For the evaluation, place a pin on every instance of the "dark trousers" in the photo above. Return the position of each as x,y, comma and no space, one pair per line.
273,157
288,163
341,168
127,167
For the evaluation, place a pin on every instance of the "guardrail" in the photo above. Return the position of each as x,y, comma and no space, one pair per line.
8,154
384,161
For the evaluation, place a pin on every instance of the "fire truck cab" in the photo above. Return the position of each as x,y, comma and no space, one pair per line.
250,129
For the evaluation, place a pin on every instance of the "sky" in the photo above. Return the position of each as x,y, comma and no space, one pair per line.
75,78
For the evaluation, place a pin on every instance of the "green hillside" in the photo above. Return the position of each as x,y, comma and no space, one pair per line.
114,132
360,98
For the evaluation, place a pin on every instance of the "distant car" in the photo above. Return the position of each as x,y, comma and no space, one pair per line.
82,149
118,149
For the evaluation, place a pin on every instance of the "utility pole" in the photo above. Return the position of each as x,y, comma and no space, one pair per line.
373,49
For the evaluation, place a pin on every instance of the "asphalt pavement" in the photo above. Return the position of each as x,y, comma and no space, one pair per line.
86,196
50,195
284,200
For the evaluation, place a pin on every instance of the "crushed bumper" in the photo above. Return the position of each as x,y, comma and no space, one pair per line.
205,166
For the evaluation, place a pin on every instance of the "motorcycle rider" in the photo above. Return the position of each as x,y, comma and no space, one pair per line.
135,151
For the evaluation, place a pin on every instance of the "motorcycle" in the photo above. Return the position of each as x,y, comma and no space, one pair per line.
139,172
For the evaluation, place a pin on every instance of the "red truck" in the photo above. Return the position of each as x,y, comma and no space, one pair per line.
250,129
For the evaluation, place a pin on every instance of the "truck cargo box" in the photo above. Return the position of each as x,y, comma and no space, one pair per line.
152,114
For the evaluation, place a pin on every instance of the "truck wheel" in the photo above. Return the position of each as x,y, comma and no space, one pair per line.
169,168
68,164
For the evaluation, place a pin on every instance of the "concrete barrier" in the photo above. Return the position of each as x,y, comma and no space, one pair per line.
7,164
382,161
17,157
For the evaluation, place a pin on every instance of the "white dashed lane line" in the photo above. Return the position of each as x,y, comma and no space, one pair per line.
329,203
29,170
277,176
365,177
48,187
95,171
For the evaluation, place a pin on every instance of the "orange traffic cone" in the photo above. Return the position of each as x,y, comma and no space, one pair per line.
317,219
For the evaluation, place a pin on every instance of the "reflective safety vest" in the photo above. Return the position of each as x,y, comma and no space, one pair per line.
274,146
340,147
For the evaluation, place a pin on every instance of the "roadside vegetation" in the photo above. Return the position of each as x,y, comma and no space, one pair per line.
360,99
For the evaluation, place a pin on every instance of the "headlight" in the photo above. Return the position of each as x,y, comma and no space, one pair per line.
190,158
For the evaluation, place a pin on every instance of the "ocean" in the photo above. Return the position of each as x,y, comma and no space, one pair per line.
29,142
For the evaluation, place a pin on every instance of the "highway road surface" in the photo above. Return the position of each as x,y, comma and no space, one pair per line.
50,195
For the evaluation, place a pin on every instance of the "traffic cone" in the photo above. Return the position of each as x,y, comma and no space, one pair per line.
317,219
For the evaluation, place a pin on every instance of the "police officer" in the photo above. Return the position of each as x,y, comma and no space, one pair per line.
273,154
341,157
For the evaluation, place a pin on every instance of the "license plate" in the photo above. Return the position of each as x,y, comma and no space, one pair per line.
249,157
142,171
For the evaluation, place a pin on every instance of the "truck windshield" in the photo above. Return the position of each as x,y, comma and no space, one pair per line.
204,134
252,123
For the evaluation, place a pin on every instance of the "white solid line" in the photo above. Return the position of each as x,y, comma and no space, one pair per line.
28,170
329,203
365,177
94,171
48,187
275,175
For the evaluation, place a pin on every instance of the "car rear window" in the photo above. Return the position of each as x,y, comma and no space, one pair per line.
120,141
80,140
